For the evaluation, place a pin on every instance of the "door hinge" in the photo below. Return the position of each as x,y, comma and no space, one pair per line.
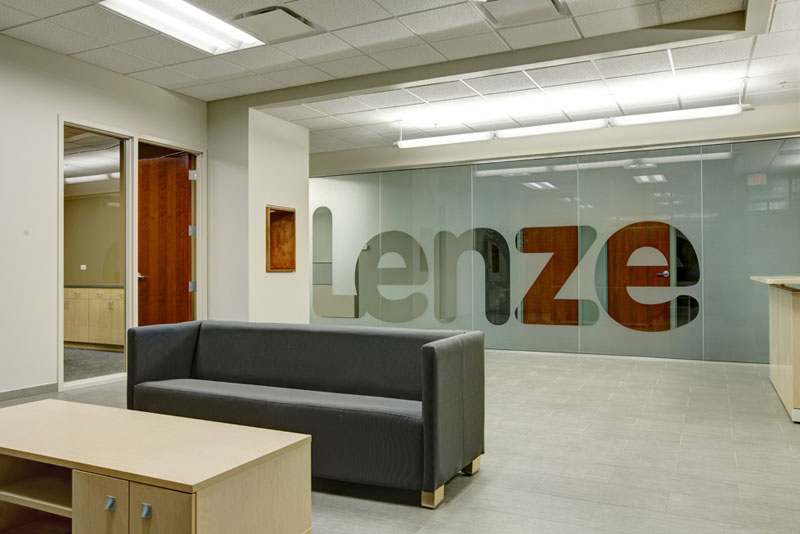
192,231
193,176
192,287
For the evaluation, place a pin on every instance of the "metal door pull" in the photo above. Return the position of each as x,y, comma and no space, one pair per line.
111,503
147,511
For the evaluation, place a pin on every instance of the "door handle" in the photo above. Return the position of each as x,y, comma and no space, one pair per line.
111,503
141,276
147,511
665,274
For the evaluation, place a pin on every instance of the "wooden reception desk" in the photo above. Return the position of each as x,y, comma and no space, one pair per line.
784,339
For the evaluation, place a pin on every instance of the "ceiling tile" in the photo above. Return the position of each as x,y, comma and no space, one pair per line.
525,104
252,84
392,129
493,125
379,36
442,91
209,68
657,89
318,48
712,81
352,66
777,44
541,119
299,76
446,130
339,105
365,117
555,31
771,84
618,20
583,98
322,123
46,8
117,60
103,25
712,53
293,113
404,7
420,116
335,14
357,135
767,66
634,64
471,110
165,77
447,22
563,74
162,49
211,91
261,59
471,46
227,9
388,99
335,144
412,56
10,17
786,17
678,10
585,7
501,83
47,35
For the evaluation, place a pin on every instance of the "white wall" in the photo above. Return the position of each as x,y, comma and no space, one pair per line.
36,86
278,176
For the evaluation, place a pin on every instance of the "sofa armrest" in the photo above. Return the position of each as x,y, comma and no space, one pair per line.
160,352
452,406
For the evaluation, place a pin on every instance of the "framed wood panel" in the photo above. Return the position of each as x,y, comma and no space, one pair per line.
281,249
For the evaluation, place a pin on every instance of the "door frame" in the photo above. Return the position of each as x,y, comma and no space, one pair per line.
131,141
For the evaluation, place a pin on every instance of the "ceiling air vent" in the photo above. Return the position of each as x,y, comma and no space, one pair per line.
518,12
274,24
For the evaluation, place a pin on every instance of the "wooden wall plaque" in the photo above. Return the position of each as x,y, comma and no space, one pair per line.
280,239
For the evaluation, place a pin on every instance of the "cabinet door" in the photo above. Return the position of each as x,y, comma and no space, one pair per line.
76,320
99,504
170,512
117,322
99,321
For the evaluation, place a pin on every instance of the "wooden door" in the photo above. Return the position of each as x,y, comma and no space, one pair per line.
92,513
625,310
170,512
165,247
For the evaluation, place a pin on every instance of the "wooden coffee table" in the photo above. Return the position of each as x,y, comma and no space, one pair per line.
71,467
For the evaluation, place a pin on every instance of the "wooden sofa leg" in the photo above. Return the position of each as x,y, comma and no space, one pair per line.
431,499
473,467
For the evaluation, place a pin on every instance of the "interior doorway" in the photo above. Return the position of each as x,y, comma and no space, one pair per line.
94,254
166,235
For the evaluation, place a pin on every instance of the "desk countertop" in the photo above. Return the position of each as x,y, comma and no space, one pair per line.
777,280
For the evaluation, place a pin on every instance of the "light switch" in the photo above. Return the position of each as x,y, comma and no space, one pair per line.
83,267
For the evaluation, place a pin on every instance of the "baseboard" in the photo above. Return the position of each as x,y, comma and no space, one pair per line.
796,415
28,392
94,346
95,381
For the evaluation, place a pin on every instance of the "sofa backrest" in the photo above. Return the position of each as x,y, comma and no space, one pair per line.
381,362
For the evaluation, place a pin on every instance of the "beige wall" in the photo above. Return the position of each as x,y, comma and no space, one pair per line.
36,88
94,235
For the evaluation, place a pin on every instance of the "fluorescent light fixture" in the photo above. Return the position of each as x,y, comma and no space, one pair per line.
687,158
679,115
91,178
186,23
445,139
539,186
650,179
521,171
552,128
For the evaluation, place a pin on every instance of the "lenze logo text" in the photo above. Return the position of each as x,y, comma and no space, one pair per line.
641,255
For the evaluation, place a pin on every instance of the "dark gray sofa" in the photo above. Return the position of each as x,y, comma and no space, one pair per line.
390,407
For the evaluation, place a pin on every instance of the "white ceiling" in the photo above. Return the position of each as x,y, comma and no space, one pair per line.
356,37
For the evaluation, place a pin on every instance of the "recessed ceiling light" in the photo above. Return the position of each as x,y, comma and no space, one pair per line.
650,178
539,186
186,23
92,178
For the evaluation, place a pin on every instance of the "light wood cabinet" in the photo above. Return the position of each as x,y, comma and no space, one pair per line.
71,467
94,315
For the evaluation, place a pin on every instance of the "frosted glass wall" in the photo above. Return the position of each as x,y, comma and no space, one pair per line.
635,253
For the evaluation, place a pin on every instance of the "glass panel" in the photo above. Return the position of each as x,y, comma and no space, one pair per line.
751,228
529,208
424,279
344,218
643,269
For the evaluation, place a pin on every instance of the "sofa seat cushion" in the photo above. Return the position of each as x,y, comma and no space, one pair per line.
355,438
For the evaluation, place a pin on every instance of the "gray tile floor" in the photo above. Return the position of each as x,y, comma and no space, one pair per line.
591,444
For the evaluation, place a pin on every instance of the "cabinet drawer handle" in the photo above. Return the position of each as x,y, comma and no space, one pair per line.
147,511
111,503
